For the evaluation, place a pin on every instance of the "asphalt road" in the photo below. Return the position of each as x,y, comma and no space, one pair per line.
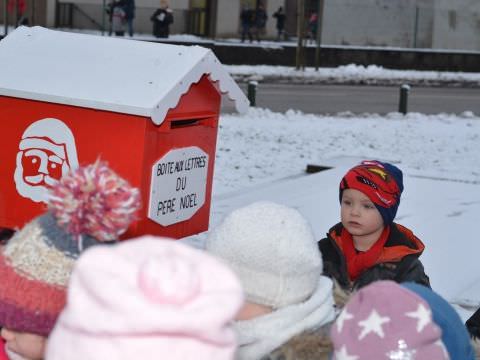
330,99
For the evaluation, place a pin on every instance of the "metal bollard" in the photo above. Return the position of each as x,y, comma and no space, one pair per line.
252,92
403,102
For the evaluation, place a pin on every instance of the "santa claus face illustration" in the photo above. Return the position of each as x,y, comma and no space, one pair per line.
46,152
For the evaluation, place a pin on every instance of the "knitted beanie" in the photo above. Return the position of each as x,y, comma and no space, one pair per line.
454,333
148,298
86,207
381,182
272,249
386,321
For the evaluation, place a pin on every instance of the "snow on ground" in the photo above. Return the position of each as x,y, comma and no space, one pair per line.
262,155
352,74
263,146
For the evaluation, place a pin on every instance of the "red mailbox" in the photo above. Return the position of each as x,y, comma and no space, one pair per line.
150,110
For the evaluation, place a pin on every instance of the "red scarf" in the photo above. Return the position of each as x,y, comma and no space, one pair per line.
3,354
358,262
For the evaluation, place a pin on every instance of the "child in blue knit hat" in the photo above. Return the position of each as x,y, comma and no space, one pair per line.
455,336
367,245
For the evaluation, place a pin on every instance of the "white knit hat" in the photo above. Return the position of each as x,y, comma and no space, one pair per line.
273,251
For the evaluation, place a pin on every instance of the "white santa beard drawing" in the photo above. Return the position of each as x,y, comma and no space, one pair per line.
45,138
35,193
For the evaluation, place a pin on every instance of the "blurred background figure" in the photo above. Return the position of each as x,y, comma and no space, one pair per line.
21,8
312,27
260,21
109,12
280,17
246,21
129,15
162,18
118,17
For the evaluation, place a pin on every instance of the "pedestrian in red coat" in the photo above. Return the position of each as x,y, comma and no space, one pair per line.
21,9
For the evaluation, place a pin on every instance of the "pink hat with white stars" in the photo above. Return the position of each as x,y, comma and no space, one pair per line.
387,321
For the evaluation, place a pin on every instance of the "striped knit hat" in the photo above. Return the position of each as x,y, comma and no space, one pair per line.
88,206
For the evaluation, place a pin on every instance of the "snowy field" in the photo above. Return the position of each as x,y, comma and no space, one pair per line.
263,146
263,155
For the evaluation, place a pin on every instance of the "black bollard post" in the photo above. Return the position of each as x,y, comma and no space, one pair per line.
252,92
403,102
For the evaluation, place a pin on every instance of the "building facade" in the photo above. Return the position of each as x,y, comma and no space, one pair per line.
443,24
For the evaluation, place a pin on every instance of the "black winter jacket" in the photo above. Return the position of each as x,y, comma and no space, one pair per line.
398,262
162,18
473,324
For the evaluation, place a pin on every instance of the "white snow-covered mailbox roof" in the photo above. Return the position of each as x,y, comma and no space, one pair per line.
131,77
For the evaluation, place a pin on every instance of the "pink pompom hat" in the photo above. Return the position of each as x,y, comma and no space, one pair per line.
148,298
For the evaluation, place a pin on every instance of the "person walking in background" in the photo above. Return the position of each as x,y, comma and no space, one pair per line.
162,18
312,27
280,16
148,298
129,8
21,9
246,21
118,17
260,21
289,303
109,11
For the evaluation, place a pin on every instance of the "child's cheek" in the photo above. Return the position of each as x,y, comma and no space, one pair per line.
26,347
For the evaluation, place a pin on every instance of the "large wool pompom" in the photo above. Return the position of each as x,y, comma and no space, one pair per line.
93,200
